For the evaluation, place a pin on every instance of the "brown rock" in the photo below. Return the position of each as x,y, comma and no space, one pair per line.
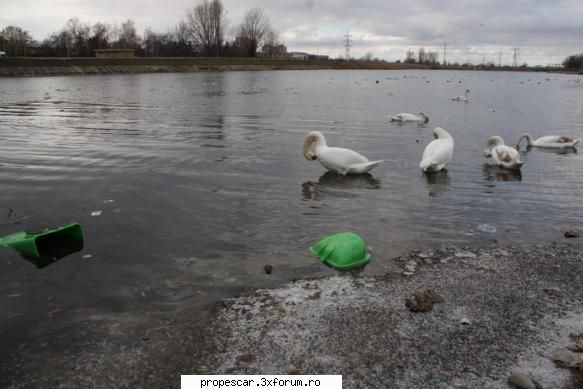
246,358
523,381
268,269
571,234
295,371
423,301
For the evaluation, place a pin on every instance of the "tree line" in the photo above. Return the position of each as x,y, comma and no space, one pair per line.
200,32
573,61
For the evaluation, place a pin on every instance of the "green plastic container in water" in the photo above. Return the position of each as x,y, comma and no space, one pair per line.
343,251
45,247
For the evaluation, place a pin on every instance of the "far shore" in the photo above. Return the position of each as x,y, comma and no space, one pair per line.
30,67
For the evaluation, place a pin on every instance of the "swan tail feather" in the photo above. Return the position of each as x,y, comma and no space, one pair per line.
426,164
365,167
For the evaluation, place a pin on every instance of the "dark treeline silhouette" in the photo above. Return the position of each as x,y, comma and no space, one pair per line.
201,32
573,61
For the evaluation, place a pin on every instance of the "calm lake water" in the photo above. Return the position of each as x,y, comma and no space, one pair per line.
201,180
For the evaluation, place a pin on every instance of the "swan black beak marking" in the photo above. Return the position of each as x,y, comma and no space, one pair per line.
314,157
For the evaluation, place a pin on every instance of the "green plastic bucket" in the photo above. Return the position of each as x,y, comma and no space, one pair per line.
343,251
45,247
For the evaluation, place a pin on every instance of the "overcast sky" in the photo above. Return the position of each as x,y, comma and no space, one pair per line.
475,30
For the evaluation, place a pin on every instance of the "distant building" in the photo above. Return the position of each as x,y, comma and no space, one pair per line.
115,53
299,56
307,57
313,57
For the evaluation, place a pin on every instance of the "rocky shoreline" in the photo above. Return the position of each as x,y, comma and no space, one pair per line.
502,313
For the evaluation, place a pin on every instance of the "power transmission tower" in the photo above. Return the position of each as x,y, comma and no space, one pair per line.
444,53
347,44
516,57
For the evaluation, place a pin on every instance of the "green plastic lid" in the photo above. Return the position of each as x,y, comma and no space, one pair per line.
343,251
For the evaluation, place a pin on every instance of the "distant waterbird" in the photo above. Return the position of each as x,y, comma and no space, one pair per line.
462,98
409,117
548,141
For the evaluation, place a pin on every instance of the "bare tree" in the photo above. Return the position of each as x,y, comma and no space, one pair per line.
253,28
432,57
410,57
78,36
272,47
15,40
205,25
128,36
101,35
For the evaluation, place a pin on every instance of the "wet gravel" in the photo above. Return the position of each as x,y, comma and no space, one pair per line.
501,310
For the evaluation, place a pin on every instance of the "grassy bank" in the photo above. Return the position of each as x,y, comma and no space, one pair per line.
26,66
14,67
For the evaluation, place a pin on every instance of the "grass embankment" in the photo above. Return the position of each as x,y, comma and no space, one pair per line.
71,66
26,66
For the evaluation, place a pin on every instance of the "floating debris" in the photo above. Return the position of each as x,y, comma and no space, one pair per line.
486,228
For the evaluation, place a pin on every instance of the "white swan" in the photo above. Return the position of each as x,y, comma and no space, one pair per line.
409,117
550,141
438,152
462,98
339,160
504,156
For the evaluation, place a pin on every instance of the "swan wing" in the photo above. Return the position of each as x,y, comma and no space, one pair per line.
339,159
555,141
437,154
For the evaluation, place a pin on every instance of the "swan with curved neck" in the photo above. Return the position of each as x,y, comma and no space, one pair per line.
503,155
462,98
549,141
336,159
409,117
438,152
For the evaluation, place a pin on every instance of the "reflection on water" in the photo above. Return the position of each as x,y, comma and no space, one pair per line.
331,180
495,173
563,151
437,182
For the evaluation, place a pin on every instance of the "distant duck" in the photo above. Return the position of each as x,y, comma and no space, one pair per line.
438,152
409,117
462,98
504,156
339,160
549,141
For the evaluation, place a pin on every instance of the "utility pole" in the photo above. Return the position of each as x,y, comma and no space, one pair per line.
500,58
347,44
444,53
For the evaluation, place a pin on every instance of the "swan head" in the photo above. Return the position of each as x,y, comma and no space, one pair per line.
425,117
312,139
440,133
492,142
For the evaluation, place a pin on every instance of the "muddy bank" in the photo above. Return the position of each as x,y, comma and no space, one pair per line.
501,310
